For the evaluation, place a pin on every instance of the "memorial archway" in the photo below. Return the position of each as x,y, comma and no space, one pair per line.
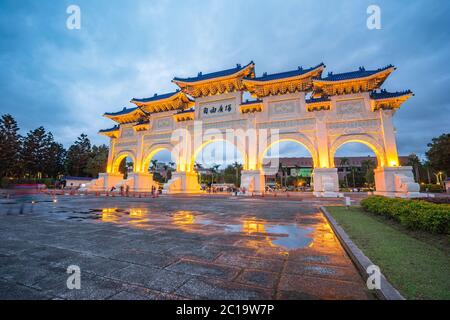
320,113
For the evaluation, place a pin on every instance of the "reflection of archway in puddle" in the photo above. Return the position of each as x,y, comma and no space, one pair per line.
282,236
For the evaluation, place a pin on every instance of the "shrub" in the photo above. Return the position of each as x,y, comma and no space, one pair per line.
434,188
414,214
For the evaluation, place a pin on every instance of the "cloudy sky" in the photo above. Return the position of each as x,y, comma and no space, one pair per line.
65,79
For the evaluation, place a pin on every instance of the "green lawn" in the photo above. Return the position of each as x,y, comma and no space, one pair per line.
417,264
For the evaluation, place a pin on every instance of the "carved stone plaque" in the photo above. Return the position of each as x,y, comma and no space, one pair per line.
283,107
350,109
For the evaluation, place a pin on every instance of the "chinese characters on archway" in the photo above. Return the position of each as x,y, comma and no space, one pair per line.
219,109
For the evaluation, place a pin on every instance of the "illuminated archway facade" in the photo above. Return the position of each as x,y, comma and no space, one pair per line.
320,113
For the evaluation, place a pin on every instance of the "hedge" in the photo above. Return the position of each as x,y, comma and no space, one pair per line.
416,215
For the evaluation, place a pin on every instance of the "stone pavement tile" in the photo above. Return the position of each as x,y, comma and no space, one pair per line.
295,295
13,291
136,293
94,264
144,258
315,257
218,290
196,252
14,246
258,278
92,288
250,262
324,288
156,279
204,269
25,271
348,273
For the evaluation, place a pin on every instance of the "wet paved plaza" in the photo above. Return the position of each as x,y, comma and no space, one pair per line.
173,247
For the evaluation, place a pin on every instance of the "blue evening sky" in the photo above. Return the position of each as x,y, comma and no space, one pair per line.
65,79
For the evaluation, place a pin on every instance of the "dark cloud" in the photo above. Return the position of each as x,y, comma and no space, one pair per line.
65,79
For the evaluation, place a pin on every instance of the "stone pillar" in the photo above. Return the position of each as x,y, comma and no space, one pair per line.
139,154
112,145
326,182
390,145
396,182
253,181
322,141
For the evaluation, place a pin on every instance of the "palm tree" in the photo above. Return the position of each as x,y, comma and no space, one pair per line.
198,167
414,161
154,164
369,166
238,167
344,163
427,166
166,169
214,169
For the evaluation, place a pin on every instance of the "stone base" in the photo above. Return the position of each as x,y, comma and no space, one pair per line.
183,182
142,182
253,181
110,180
396,182
326,183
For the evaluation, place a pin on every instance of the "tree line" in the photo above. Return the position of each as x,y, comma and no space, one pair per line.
36,155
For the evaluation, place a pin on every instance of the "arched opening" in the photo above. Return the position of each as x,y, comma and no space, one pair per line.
355,162
218,164
288,164
161,163
124,163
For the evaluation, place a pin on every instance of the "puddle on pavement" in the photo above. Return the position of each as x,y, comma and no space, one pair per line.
288,236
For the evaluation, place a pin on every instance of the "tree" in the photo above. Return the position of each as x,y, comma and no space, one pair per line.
368,166
214,170
238,168
78,156
154,165
54,158
439,153
98,161
10,143
414,161
37,152
344,163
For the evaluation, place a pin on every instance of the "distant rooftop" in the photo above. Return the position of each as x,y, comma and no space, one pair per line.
156,97
287,74
120,113
361,73
383,94
200,76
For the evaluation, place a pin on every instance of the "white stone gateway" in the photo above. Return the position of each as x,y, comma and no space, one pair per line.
320,113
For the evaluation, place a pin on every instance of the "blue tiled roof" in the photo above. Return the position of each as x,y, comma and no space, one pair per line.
314,100
383,94
110,129
156,97
247,102
120,113
361,73
213,75
186,110
287,74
